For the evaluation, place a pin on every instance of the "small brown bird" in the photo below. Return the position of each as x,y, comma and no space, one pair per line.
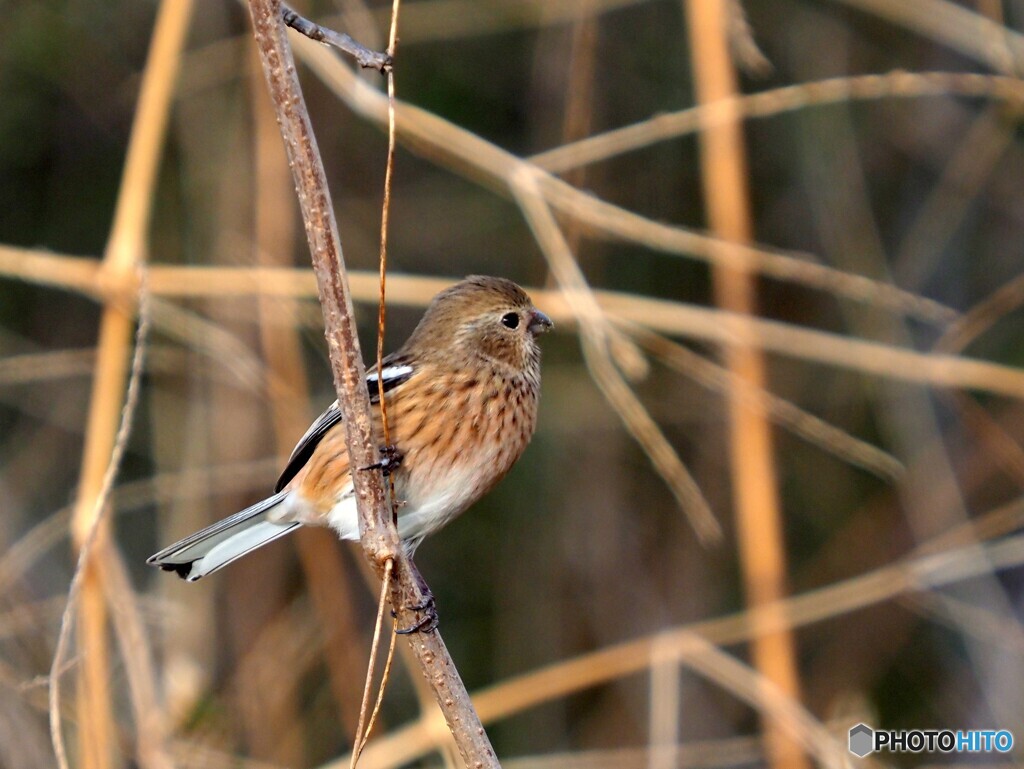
462,399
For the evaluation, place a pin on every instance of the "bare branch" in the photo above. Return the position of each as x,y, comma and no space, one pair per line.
366,58
379,538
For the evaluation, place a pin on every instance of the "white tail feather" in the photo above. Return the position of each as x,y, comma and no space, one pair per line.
218,545
234,547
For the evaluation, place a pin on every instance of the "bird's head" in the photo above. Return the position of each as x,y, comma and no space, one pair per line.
483,317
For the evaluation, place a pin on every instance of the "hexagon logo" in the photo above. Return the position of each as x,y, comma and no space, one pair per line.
862,740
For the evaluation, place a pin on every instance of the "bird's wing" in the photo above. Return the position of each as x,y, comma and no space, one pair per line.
395,371
307,444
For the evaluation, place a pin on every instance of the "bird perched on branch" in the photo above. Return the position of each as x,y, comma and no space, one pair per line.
462,399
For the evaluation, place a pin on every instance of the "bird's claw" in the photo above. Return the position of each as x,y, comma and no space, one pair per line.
391,460
427,623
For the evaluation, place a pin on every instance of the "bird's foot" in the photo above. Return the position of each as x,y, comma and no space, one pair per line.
427,623
390,460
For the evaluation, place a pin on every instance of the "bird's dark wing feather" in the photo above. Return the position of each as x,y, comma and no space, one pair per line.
307,444
396,372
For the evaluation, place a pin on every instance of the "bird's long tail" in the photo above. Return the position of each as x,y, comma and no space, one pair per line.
217,545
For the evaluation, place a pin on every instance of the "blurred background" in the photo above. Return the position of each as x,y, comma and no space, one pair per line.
868,492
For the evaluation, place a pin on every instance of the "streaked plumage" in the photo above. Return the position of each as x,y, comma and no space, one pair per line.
462,399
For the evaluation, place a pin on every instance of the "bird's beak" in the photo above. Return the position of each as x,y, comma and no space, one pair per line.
539,323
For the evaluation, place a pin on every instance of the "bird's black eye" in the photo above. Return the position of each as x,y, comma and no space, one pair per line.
510,319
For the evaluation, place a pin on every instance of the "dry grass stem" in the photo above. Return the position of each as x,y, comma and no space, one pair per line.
783,412
743,48
580,87
668,317
38,366
774,703
597,339
963,30
33,544
111,408
753,467
971,620
982,316
133,644
95,536
364,728
830,349
664,712
389,170
942,214
80,273
385,675
775,102
60,270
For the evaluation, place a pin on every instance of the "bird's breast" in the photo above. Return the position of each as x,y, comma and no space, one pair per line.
456,451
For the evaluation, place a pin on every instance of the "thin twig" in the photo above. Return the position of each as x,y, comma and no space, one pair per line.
130,632
363,734
384,678
362,730
366,58
389,168
101,508
745,51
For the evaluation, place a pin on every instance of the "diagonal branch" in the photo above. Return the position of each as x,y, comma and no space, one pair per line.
378,534
364,56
